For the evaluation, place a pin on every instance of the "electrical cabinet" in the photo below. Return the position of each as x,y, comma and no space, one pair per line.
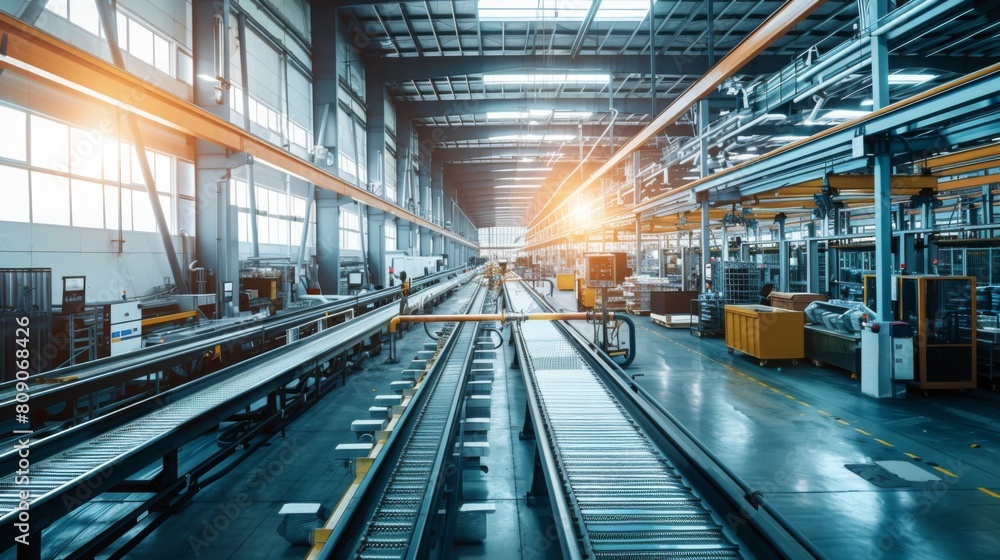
601,271
942,312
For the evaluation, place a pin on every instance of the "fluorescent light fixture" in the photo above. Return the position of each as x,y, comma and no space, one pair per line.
787,138
842,115
517,115
515,138
742,157
517,169
867,102
531,138
910,79
517,186
521,179
571,10
572,115
751,148
542,79
518,198
691,178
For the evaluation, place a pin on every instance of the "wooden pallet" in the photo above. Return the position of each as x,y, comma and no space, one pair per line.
675,321
639,312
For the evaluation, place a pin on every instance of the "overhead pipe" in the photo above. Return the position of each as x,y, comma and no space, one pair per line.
832,80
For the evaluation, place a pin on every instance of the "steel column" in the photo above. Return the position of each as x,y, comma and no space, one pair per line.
883,170
251,183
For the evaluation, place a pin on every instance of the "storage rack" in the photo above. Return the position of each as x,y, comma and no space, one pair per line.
739,282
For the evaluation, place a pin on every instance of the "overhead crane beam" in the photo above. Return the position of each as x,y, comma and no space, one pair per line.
33,51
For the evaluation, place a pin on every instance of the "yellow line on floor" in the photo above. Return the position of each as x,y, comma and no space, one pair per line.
762,384
844,422
885,443
989,492
823,412
862,431
911,456
805,404
787,396
945,471
775,390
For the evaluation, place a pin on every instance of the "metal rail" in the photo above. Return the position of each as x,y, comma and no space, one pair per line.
56,386
391,513
109,449
612,478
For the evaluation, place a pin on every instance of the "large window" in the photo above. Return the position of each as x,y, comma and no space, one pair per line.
350,230
279,216
134,36
53,173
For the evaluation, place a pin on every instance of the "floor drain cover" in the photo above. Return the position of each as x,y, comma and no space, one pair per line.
887,474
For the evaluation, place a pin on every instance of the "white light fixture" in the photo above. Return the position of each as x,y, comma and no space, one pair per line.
542,79
843,115
910,79
520,178
540,112
515,138
867,102
742,157
568,10
517,169
691,178
787,138
572,115
518,198
517,186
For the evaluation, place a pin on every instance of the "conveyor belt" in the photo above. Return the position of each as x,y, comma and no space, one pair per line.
628,499
54,471
393,511
87,378
406,497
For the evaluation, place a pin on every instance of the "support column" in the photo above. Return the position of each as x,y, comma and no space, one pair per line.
706,253
423,198
638,244
328,240
883,170
215,218
404,162
782,253
376,247
425,242
404,237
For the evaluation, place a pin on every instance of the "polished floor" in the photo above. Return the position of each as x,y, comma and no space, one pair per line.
923,482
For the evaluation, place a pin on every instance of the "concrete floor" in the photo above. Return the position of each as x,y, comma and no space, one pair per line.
786,430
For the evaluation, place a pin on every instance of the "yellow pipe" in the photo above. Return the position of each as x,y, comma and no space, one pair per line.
168,318
502,317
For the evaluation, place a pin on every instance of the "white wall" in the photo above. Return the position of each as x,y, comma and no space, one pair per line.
70,251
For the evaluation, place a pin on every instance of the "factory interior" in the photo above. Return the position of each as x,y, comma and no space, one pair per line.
535,279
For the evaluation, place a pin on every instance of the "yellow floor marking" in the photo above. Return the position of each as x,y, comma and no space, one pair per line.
751,378
945,471
844,422
775,390
989,492
885,443
787,396
911,456
805,404
762,384
862,431
823,412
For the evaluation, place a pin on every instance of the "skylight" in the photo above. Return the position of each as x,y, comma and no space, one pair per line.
572,115
566,10
542,79
517,186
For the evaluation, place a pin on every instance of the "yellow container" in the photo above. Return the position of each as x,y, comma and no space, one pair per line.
566,281
766,333
588,296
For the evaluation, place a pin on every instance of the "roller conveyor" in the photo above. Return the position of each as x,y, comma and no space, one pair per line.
394,526
628,499
65,461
